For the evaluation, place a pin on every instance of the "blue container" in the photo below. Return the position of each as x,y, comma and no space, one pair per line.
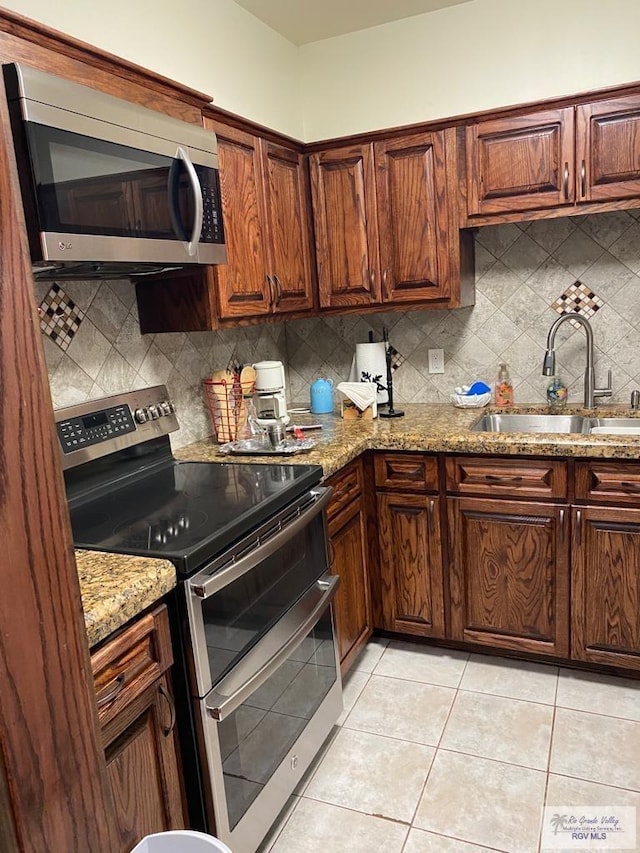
322,396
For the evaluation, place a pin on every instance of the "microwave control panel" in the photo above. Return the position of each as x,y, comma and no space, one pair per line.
76,433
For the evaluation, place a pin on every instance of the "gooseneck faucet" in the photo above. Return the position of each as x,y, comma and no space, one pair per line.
549,363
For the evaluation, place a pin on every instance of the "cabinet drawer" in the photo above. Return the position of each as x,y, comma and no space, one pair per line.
409,472
507,477
347,485
127,665
608,482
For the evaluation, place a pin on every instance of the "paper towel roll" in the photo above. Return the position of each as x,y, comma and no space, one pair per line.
371,366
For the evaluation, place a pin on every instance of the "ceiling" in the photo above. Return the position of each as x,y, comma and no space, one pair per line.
303,21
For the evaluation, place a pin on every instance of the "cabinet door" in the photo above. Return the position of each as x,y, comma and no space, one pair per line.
410,564
243,287
509,574
142,769
608,149
288,227
521,163
352,604
606,586
412,218
344,208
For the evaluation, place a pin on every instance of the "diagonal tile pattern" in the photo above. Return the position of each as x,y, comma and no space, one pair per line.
525,274
521,271
505,738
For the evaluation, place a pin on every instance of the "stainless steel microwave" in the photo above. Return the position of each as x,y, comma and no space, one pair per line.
109,187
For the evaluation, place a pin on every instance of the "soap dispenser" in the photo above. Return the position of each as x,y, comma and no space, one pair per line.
504,387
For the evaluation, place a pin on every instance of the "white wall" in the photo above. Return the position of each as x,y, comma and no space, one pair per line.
212,45
479,55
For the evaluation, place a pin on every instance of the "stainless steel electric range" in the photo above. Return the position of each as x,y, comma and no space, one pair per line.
257,679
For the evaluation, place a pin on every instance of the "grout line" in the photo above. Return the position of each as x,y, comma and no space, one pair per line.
494,760
511,698
594,782
462,840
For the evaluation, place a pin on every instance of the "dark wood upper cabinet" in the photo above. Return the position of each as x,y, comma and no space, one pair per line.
412,218
521,163
608,149
288,227
244,288
344,207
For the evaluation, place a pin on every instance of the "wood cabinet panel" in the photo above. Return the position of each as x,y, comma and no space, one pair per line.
142,770
137,718
352,604
608,482
412,218
347,484
608,149
411,564
243,287
606,586
521,163
509,574
286,204
345,216
527,478
414,472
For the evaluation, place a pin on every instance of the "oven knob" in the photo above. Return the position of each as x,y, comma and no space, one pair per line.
154,414
141,416
165,407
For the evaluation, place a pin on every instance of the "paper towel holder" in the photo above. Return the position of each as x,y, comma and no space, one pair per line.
390,411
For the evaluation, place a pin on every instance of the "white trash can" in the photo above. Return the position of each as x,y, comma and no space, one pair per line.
180,841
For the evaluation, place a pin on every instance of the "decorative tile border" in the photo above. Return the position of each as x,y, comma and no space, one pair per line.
60,317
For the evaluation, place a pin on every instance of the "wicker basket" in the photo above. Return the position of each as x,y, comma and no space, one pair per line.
228,403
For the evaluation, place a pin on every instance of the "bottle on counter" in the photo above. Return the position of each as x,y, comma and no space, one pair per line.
557,393
504,387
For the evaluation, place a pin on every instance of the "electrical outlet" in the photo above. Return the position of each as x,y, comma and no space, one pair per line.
436,360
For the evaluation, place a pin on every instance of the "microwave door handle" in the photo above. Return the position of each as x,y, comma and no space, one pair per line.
192,245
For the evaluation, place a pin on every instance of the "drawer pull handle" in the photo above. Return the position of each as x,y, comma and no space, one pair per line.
115,690
432,507
583,179
630,487
566,181
562,527
494,478
578,527
166,730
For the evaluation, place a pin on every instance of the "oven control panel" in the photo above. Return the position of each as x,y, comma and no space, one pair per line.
96,428
79,432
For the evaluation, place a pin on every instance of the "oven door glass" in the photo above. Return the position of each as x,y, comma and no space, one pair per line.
238,615
256,737
97,187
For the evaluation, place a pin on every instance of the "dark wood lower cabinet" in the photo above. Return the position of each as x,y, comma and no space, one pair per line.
606,586
352,604
142,768
509,574
411,564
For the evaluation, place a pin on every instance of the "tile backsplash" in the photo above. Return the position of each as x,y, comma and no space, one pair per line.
522,272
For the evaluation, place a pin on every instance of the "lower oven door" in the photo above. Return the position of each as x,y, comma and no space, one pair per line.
266,720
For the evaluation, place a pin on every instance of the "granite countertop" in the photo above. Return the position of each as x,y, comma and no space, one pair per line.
115,588
433,428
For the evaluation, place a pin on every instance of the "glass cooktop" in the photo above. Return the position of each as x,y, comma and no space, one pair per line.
187,512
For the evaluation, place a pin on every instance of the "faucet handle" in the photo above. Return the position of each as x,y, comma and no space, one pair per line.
604,392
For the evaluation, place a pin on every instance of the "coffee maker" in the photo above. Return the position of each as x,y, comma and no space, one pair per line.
269,396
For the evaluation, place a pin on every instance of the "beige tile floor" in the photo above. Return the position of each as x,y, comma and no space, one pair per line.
444,752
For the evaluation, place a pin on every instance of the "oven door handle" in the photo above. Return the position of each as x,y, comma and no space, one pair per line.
204,584
220,704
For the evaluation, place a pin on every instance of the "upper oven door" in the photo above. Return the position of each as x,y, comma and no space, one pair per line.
232,607
120,183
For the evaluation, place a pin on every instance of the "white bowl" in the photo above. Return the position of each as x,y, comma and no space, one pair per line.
470,401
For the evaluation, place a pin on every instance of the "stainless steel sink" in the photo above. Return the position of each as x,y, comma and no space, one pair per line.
530,423
612,426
